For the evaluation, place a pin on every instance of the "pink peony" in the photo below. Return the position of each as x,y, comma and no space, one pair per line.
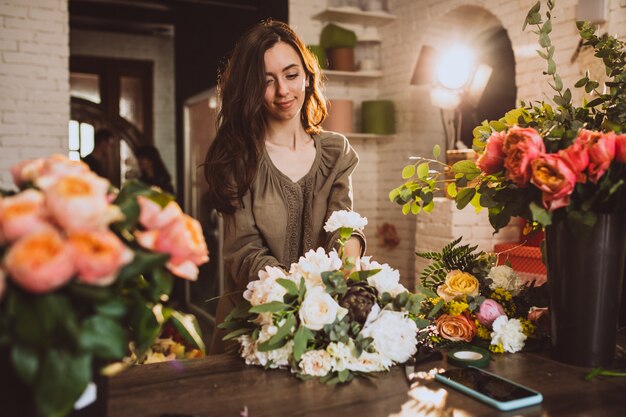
40,262
183,241
488,311
79,202
620,148
521,146
98,256
601,148
578,158
555,178
492,160
153,216
22,214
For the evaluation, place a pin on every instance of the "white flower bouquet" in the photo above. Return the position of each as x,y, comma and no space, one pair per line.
319,320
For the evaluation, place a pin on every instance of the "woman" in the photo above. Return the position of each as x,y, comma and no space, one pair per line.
272,172
152,167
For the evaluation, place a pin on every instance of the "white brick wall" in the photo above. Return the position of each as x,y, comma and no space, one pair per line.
158,50
34,86
435,22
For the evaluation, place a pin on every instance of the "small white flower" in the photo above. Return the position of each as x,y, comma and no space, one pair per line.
316,363
504,277
370,362
509,333
345,218
342,355
276,358
394,334
312,264
319,308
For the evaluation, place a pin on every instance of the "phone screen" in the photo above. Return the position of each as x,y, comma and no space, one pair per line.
487,384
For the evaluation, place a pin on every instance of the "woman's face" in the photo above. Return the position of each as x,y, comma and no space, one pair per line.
285,82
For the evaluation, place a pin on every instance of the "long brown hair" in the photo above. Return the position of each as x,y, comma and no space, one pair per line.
232,160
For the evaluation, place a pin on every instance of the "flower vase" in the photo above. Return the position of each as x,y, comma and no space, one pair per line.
585,274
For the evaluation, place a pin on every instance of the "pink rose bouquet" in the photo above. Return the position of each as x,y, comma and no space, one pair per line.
84,276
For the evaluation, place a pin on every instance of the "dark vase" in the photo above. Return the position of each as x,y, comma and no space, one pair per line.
585,275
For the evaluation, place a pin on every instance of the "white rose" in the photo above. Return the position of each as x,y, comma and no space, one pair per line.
319,308
387,280
312,264
506,278
394,334
266,289
315,363
370,362
509,333
344,218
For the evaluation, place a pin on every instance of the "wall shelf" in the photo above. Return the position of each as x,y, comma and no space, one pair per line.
355,16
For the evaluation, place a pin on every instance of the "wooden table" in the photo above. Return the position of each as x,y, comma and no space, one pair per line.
223,385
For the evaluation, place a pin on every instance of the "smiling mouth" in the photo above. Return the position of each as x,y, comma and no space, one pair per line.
284,104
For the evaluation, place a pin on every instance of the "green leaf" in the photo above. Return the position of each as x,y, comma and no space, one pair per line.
300,341
62,379
451,190
436,309
408,171
422,170
436,151
187,326
103,337
406,208
581,82
145,327
464,197
540,214
415,208
547,27
280,338
363,275
161,283
114,308
143,262
26,363
465,167
551,67
272,307
558,83
428,208
236,333
289,285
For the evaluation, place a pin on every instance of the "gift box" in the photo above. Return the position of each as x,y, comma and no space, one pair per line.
525,260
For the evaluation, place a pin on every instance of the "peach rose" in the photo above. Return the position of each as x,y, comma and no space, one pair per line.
516,135
79,202
99,256
153,216
22,214
457,285
518,162
601,148
555,178
459,328
488,311
183,241
27,171
620,148
492,160
578,158
40,262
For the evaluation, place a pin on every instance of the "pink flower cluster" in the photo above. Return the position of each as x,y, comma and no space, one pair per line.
521,153
59,230
169,230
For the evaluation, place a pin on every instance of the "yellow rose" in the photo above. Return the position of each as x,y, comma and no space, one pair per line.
457,285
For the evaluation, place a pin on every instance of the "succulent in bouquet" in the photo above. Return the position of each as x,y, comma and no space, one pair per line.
85,277
542,159
327,317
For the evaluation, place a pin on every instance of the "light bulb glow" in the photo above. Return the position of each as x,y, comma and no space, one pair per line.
455,66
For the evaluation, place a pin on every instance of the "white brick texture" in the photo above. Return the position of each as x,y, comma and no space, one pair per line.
34,81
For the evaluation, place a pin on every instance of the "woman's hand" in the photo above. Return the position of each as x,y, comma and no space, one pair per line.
352,249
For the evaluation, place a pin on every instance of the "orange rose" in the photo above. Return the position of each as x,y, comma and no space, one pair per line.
456,328
22,214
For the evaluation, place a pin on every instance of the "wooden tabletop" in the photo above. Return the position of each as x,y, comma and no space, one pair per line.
222,385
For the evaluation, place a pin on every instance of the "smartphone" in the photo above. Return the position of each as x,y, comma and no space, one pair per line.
490,388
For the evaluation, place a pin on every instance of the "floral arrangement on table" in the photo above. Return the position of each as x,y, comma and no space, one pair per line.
541,159
471,300
326,317
86,272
